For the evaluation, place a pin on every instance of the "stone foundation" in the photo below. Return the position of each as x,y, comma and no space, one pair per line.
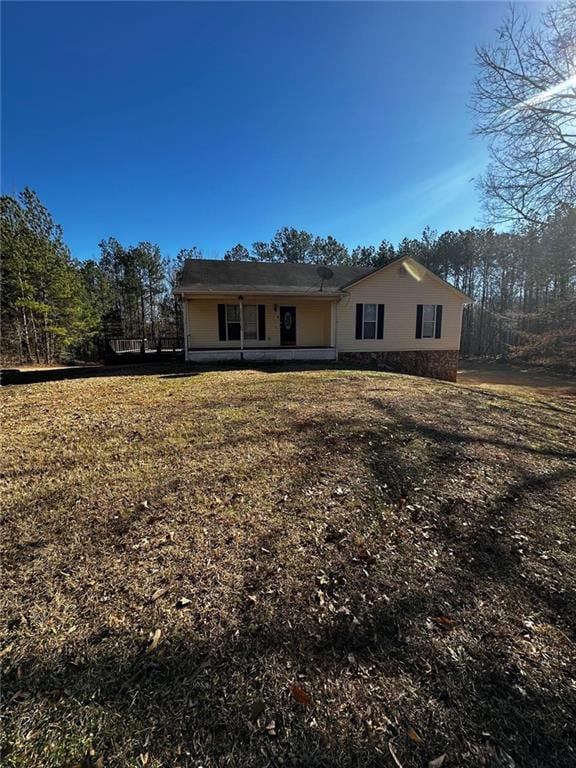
435,364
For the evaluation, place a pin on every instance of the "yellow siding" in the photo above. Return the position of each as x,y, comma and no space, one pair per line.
400,292
312,322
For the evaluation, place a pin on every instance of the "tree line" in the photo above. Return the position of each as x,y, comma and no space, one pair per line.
523,284
298,246
55,307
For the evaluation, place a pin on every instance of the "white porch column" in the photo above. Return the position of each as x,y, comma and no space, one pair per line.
240,298
333,324
185,326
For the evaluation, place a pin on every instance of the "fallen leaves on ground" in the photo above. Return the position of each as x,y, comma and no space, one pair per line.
415,736
154,640
402,550
300,695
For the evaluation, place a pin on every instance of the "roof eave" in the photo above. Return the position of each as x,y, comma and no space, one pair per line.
187,292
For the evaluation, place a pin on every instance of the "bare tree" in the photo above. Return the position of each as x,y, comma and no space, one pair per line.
525,103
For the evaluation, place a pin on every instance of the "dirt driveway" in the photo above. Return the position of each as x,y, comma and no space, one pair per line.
517,380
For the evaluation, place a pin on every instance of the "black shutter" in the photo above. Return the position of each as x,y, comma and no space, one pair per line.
419,321
359,314
380,323
438,320
261,322
222,322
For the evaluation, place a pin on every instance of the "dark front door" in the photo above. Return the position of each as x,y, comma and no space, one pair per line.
287,326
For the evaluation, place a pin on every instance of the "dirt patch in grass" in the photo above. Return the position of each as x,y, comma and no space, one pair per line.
287,568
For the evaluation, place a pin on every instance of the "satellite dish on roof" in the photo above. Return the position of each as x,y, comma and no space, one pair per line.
325,273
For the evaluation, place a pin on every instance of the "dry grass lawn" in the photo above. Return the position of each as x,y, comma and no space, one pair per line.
321,568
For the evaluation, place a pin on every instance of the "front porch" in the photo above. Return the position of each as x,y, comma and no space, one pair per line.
261,354
260,328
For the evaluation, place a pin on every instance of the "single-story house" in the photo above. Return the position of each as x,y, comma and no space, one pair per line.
400,317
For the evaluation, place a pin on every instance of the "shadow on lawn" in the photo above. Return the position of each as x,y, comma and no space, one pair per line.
193,703
446,437
166,370
203,694
11,376
223,700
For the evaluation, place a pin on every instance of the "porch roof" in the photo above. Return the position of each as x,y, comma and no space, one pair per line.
217,277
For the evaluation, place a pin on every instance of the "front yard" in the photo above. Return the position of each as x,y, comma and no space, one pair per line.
322,568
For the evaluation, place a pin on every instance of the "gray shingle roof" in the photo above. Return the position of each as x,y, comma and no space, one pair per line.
215,275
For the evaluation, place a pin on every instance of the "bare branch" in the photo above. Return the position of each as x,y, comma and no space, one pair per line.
525,104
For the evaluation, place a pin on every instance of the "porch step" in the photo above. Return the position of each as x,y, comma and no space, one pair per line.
260,355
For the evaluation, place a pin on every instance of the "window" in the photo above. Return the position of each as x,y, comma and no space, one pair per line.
369,324
233,322
369,321
428,321
250,322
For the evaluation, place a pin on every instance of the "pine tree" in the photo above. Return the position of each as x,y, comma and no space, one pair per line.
45,310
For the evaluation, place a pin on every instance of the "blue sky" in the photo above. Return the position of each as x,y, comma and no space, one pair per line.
210,124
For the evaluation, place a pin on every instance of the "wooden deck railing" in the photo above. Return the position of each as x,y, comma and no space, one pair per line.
137,346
